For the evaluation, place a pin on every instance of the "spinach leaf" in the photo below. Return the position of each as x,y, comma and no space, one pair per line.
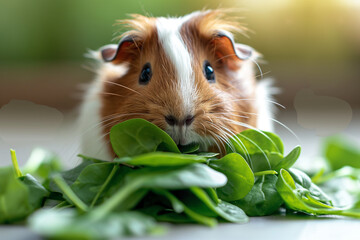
163,178
262,150
344,172
297,199
239,175
69,176
138,136
99,181
263,199
180,207
156,159
189,148
14,197
67,224
199,202
251,141
285,162
91,179
42,163
340,152
225,210
307,188
37,192
178,177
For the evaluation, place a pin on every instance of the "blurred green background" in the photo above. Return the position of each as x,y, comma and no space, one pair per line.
307,44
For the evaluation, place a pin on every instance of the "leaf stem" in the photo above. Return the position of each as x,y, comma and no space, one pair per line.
15,163
60,182
267,172
63,204
108,179
117,198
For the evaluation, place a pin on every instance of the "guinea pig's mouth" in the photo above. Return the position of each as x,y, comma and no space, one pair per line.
190,141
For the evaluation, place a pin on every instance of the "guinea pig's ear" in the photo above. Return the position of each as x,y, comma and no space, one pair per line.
229,52
121,52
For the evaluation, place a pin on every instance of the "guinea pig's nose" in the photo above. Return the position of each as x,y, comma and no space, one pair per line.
171,120
189,119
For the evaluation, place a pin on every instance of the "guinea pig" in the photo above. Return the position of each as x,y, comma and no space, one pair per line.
186,75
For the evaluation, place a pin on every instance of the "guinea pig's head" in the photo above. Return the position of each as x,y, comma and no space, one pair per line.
185,75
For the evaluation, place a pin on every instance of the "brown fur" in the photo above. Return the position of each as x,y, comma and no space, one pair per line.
159,98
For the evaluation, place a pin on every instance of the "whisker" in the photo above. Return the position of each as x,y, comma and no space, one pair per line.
251,59
261,73
229,55
203,127
242,145
258,147
251,99
216,140
112,94
120,85
109,118
227,113
256,76
276,121
251,127
232,135
224,139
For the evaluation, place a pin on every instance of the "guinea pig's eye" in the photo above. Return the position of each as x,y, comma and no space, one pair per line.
209,72
145,74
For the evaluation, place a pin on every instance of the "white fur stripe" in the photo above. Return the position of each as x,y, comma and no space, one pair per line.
168,30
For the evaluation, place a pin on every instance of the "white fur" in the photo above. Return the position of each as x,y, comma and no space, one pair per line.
168,30
92,140
264,92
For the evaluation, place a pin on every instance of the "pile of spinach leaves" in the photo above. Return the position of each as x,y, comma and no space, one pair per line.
153,181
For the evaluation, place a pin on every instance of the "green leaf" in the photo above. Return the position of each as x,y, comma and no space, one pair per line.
42,163
287,161
189,148
340,152
306,186
239,175
251,141
263,199
163,178
179,207
344,172
260,149
14,197
37,192
297,199
137,136
225,210
90,181
156,159
69,176
67,224
181,177
198,201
